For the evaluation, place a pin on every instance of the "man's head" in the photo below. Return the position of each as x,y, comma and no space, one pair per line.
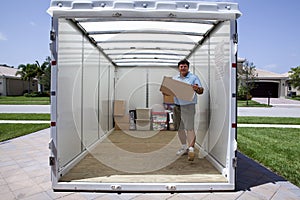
183,67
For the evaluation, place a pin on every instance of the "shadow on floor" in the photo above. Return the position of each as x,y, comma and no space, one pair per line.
251,174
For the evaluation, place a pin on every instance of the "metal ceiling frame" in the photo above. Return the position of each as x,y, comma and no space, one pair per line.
88,16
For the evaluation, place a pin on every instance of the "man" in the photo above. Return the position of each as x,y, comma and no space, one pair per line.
184,111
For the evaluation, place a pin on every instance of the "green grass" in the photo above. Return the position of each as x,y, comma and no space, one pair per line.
297,98
268,120
22,100
276,148
24,116
251,103
10,131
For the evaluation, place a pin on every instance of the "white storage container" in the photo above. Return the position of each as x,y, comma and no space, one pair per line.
143,113
108,50
143,124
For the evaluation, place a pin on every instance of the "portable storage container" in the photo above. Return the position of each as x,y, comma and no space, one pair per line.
119,51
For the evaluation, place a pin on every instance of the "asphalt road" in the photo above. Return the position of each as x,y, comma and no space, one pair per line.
24,108
280,108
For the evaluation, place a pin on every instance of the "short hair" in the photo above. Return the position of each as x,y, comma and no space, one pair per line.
184,61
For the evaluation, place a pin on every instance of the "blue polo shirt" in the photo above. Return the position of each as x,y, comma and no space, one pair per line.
189,79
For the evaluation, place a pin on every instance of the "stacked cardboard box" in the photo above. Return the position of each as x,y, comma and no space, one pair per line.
121,119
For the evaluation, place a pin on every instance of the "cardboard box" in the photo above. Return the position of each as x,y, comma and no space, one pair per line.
176,88
119,108
169,99
122,119
122,126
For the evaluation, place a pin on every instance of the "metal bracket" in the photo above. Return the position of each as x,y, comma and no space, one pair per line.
52,35
234,162
171,187
235,38
116,187
51,161
117,14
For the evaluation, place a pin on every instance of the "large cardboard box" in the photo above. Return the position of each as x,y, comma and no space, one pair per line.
122,119
122,122
119,108
122,126
176,88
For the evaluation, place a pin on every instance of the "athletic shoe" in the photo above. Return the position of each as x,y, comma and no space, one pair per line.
182,151
191,154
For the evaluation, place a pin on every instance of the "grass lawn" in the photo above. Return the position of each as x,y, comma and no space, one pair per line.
251,103
9,131
268,120
295,98
22,100
276,148
24,116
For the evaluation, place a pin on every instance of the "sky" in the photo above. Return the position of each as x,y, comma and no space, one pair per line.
268,33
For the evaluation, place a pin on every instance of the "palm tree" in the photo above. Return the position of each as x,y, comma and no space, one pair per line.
41,72
45,76
28,72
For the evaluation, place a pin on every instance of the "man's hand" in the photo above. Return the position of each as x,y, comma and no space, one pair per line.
197,89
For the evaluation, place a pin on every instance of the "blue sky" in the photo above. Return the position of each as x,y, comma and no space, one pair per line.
268,32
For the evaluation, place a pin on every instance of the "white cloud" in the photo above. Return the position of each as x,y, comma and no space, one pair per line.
2,37
32,23
270,67
294,55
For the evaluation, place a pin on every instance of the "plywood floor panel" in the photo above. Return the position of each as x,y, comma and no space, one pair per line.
141,157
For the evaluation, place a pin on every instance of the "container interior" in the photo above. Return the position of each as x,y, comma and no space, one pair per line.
101,60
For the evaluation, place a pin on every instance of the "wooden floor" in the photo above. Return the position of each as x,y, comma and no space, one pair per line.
141,157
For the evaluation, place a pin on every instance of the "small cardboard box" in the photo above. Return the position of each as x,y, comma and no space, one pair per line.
119,108
169,99
176,88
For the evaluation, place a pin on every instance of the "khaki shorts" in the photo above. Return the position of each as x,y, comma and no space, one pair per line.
184,117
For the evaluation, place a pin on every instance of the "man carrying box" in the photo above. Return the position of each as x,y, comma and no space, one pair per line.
184,110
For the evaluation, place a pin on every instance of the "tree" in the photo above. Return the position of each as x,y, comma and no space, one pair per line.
44,74
246,80
295,77
46,79
28,72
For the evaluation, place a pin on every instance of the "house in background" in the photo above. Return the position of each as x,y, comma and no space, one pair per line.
270,84
12,85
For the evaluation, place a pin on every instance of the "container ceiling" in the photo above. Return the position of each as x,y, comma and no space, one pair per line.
145,33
